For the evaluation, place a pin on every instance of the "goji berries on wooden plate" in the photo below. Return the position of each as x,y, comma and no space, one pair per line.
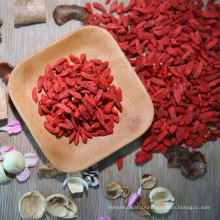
135,119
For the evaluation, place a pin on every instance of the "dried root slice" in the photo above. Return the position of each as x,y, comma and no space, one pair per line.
5,70
3,103
115,190
192,164
32,205
29,11
142,208
48,171
14,162
76,184
3,175
161,200
148,181
59,205
65,13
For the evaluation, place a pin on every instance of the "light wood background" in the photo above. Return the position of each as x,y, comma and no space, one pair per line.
19,43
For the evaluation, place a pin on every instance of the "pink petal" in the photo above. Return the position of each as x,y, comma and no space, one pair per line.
13,123
31,159
15,130
105,218
133,197
6,149
24,175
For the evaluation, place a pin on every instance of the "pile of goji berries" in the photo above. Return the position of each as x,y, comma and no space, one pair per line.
78,98
174,46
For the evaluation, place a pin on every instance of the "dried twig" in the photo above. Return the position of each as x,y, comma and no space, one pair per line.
64,13
29,11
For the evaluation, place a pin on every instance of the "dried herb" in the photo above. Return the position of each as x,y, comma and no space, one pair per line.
5,70
79,100
192,164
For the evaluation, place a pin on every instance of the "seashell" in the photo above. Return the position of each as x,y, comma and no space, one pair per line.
14,162
115,190
161,200
148,181
160,194
59,205
3,176
161,207
75,184
32,205
142,208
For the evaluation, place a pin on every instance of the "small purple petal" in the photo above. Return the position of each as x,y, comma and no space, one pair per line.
31,159
105,218
24,175
133,197
6,149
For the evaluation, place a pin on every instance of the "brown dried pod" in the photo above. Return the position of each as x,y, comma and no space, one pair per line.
148,181
125,192
48,171
115,190
142,208
65,13
5,70
29,11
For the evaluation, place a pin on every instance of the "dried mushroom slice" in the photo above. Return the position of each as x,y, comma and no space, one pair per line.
76,184
3,175
148,181
142,208
114,190
59,205
32,205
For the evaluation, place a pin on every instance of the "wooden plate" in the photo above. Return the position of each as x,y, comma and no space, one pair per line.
137,113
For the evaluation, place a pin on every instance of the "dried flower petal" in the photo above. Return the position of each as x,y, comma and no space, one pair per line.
105,218
13,127
31,159
132,199
5,149
24,175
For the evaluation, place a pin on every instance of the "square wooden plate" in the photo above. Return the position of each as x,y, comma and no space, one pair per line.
137,113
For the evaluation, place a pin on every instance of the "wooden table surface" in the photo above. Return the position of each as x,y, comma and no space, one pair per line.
19,43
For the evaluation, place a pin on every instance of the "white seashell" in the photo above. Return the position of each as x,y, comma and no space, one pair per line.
161,200
161,207
14,162
59,205
76,184
3,177
32,205
160,194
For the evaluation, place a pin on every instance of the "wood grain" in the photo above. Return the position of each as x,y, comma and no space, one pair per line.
139,111
17,44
